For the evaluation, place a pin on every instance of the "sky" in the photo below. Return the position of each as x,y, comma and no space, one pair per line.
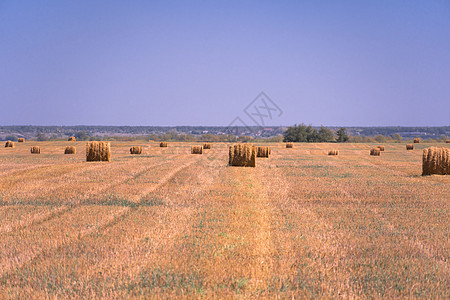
171,63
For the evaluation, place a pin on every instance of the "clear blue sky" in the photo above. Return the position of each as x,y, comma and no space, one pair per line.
366,63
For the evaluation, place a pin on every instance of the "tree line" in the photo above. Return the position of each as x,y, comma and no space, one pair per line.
307,134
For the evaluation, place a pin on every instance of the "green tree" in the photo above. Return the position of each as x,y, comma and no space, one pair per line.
326,135
82,136
380,138
397,137
11,138
342,136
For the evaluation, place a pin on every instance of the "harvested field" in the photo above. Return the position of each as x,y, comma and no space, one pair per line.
169,224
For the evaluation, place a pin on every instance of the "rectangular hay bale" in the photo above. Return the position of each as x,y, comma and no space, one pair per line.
70,150
263,151
375,152
98,151
196,150
136,150
10,144
242,155
35,150
436,161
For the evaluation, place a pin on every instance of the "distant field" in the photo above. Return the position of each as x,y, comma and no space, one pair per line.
168,223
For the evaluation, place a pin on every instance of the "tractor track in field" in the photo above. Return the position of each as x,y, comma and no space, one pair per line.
56,212
328,243
423,248
112,220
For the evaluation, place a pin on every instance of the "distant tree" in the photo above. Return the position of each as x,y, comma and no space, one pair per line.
296,133
290,135
82,136
12,138
326,135
342,136
41,136
312,136
245,138
397,137
380,138
303,133
355,139
275,139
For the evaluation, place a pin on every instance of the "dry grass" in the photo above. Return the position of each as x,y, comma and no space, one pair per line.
175,225
163,144
70,150
10,144
289,145
35,150
136,150
21,140
206,146
375,151
409,146
436,161
242,155
416,140
98,151
72,139
196,150
263,151
333,152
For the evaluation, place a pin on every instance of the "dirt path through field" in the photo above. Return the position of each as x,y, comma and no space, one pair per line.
253,221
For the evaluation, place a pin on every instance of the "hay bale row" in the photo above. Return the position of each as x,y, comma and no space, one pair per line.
436,161
136,150
21,140
409,146
381,148
10,144
416,141
196,150
289,145
70,150
163,144
206,146
36,150
375,152
98,151
242,155
263,151
333,152
72,139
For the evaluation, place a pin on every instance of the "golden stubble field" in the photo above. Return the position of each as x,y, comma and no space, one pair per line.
167,223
